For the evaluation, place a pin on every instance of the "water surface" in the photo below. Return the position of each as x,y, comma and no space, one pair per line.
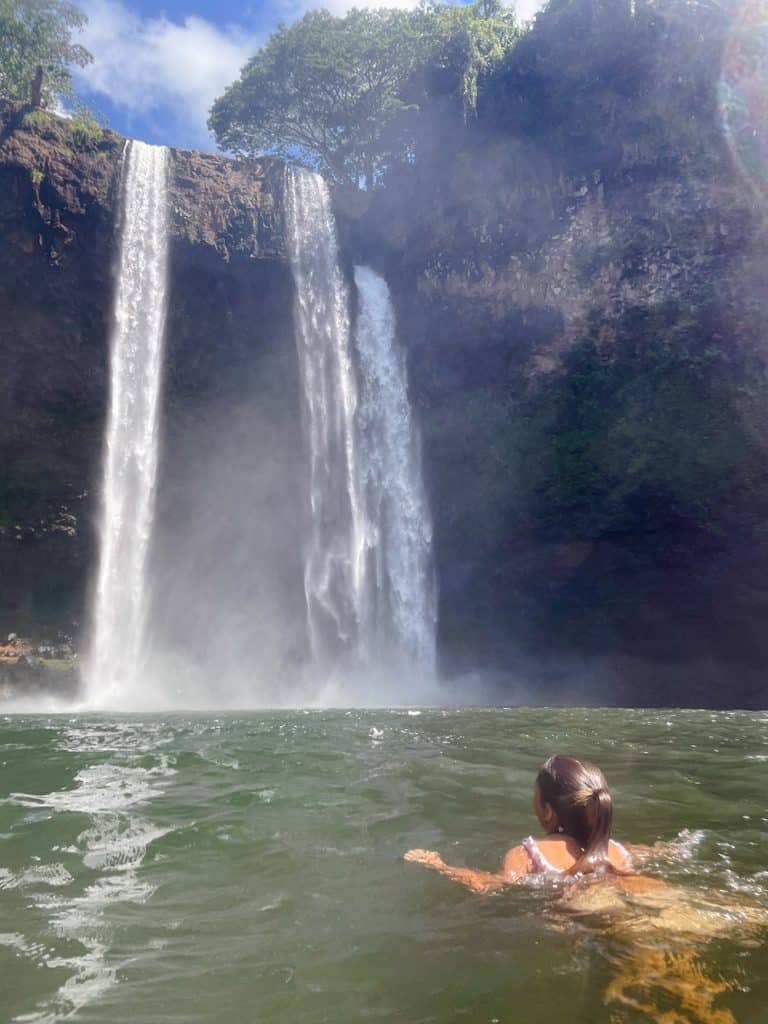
248,867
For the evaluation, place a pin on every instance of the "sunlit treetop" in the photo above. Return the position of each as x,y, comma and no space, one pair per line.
341,94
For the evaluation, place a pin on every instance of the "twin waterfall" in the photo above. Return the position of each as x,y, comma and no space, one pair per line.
368,579
398,611
334,568
131,443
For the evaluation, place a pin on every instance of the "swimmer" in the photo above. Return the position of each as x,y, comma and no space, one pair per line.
646,928
575,810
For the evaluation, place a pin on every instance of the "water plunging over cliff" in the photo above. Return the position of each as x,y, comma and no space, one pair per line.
335,549
368,581
130,453
400,606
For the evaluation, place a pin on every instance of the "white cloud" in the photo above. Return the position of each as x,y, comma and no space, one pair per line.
526,9
156,67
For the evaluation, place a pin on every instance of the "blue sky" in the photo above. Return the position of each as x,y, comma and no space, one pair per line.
157,69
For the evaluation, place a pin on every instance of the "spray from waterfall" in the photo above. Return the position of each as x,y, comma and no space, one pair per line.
368,580
131,443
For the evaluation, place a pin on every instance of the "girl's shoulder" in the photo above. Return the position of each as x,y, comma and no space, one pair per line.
555,854
518,861
619,855
552,855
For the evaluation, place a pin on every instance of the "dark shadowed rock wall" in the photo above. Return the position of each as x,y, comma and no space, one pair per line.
57,214
581,276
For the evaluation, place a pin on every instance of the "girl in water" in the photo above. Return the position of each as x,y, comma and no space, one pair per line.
573,805
652,933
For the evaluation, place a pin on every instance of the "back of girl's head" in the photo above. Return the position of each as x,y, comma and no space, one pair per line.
578,793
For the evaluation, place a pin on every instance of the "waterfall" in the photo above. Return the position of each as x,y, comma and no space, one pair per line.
400,610
368,581
131,443
335,551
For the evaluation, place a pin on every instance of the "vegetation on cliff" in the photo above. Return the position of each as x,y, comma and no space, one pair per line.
345,94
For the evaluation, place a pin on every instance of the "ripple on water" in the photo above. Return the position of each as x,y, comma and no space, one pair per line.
314,881
54,875
112,848
101,788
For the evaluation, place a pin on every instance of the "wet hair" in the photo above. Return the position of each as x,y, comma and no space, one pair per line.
578,793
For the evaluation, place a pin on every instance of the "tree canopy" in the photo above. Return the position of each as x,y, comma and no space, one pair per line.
343,94
40,32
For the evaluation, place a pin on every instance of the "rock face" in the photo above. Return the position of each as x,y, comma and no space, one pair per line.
584,306
230,363
56,240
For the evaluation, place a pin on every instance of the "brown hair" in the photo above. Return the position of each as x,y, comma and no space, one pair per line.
578,793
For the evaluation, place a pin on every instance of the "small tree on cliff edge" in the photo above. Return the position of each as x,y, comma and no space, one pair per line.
343,94
39,32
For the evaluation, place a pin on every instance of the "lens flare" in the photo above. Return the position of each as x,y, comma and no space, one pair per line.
743,93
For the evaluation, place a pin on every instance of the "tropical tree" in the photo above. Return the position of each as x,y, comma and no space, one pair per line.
38,34
323,90
343,94
469,41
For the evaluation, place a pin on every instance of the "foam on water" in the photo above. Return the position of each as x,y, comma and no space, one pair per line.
54,875
113,846
100,788
20,945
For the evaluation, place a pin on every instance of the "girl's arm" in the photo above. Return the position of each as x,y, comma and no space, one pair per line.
477,881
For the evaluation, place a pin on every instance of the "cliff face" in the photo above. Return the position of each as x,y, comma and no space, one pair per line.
584,307
230,350
56,232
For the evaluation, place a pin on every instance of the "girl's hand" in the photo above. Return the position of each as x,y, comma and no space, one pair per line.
477,881
429,858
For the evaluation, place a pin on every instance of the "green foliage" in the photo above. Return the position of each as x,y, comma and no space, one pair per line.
36,32
87,133
322,89
345,95
41,123
470,41
37,177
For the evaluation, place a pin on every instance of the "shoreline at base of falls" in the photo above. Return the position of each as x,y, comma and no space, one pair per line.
42,669
26,677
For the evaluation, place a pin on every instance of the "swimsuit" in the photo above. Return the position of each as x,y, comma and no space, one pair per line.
541,866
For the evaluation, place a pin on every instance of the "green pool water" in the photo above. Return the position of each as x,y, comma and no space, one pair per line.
248,868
